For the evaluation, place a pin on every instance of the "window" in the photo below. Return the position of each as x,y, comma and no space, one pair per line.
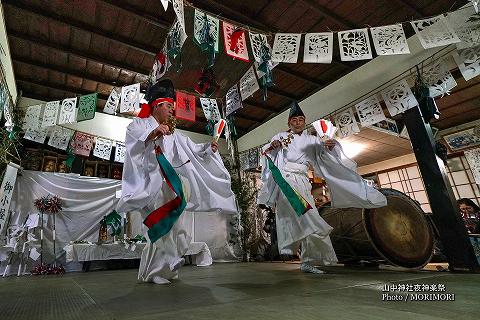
407,180
461,179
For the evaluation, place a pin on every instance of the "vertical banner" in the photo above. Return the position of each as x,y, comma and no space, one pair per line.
235,42
87,105
68,111
82,144
50,113
130,98
120,151
6,192
185,108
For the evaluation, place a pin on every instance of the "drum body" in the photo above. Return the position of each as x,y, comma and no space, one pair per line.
399,233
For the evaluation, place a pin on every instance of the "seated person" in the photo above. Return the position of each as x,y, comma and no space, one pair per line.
471,214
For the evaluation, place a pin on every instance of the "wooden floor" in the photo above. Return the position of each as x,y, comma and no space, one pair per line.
238,291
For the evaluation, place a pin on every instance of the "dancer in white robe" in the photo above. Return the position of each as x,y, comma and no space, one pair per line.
292,152
206,182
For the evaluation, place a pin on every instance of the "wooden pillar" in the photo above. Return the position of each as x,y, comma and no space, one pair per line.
453,234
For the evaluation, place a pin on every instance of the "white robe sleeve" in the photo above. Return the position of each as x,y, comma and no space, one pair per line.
209,180
269,191
134,179
347,187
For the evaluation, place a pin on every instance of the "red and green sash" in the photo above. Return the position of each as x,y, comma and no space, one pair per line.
161,220
298,203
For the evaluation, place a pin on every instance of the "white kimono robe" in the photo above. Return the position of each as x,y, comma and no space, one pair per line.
206,185
348,189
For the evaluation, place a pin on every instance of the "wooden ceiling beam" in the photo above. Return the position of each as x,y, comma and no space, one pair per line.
82,54
258,105
415,11
283,94
138,14
297,75
327,13
68,72
130,43
457,104
74,90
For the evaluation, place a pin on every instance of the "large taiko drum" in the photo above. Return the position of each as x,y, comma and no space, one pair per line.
399,233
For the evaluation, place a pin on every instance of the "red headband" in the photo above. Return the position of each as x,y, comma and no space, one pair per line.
146,108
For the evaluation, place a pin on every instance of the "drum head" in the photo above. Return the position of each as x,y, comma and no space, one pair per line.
400,231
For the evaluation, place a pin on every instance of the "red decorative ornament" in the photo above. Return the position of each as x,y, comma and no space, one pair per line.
48,204
207,83
44,269
234,39
185,106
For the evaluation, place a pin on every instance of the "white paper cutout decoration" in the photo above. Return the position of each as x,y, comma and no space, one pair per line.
111,105
165,4
354,45
199,25
7,114
434,32
248,83
103,148
399,98
439,79
120,150
60,137
370,111
468,61
179,11
36,132
466,27
285,47
473,159
346,123
160,67
50,113
233,101
238,47
176,33
32,117
68,111
257,40
130,98
210,109
318,47
389,40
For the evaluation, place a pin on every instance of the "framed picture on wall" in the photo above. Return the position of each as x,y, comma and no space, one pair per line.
462,140
388,126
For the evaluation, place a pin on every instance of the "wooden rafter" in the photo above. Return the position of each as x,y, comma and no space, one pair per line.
80,53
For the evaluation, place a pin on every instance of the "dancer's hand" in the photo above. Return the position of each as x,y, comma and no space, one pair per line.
330,144
275,144
159,131
214,146
162,130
